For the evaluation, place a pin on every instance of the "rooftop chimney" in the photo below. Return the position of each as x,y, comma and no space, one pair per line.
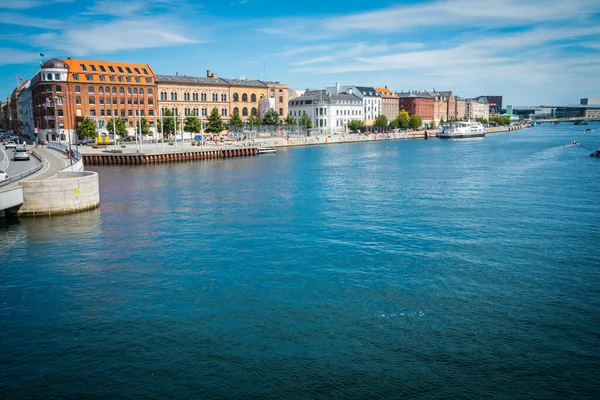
208,73
176,73
337,88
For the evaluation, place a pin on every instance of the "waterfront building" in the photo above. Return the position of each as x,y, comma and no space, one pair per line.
495,104
371,99
245,95
390,103
265,105
417,103
191,95
477,108
13,108
64,92
460,107
578,111
25,111
329,112
444,105
280,93
4,115
592,101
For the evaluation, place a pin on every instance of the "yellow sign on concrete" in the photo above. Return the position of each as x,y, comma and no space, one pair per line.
77,191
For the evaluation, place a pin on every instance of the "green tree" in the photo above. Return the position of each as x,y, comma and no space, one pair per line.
271,117
169,124
394,124
254,121
87,128
415,122
116,125
291,121
235,120
215,122
381,120
143,122
403,119
305,121
441,121
355,125
192,124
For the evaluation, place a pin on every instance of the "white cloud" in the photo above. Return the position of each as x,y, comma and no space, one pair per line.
26,4
33,22
13,56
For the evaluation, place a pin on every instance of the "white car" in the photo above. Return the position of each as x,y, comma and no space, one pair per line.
3,175
21,154
9,144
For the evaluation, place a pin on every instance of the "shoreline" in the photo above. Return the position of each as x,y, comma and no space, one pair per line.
153,153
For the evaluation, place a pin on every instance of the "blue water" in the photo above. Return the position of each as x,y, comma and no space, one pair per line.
407,269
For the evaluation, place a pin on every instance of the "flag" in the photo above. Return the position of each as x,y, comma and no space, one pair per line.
19,78
41,54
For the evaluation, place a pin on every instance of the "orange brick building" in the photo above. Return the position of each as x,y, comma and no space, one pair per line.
417,103
390,103
64,92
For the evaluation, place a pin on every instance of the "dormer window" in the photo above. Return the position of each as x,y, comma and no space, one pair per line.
121,70
102,68
111,69
93,67
83,67
128,70
137,71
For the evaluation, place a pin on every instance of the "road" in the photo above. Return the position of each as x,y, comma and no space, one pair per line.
13,168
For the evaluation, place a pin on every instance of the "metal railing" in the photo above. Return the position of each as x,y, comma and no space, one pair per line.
26,173
75,156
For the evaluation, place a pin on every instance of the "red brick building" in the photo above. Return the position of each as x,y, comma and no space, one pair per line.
64,92
417,103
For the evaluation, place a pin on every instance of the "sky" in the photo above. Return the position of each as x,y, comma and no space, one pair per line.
532,52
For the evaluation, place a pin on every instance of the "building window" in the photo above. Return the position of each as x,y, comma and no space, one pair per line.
101,100
112,78
89,77
75,77
121,70
77,89
223,97
60,112
130,112
101,112
150,92
195,96
102,78
142,91
281,99
151,112
204,112
137,71
135,100
111,69
145,71
236,111
186,96
253,98
150,101
135,91
101,90
122,113
236,97
92,112
114,90
58,89
253,112
48,89
129,100
173,96
244,97
90,89
141,100
120,79
203,97
281,111
244,111
223,112
122,100
114,100
48,77
128,70
130,122
93,67
149,80
128,79
138,79
163,95
57,77
128,90
83,67
215,97
77,100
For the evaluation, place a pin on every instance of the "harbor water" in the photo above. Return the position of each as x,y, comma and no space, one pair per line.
397,269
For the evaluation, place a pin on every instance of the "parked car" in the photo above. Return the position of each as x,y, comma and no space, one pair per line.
21,154
84,142
9,144
3,175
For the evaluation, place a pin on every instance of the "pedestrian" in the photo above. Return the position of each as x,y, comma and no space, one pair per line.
68,154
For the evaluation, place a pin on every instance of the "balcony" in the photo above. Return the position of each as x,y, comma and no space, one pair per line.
50,117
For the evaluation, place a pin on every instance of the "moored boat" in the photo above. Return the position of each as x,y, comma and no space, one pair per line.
463,130
266,150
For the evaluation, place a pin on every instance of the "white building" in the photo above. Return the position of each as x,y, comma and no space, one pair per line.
329,112
477,108
371,99
25,111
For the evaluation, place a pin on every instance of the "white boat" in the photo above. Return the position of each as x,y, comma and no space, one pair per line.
266,150
462,130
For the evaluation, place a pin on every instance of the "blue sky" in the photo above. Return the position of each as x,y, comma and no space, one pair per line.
530,51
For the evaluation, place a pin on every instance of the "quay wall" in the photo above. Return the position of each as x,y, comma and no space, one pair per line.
70,192
142,159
